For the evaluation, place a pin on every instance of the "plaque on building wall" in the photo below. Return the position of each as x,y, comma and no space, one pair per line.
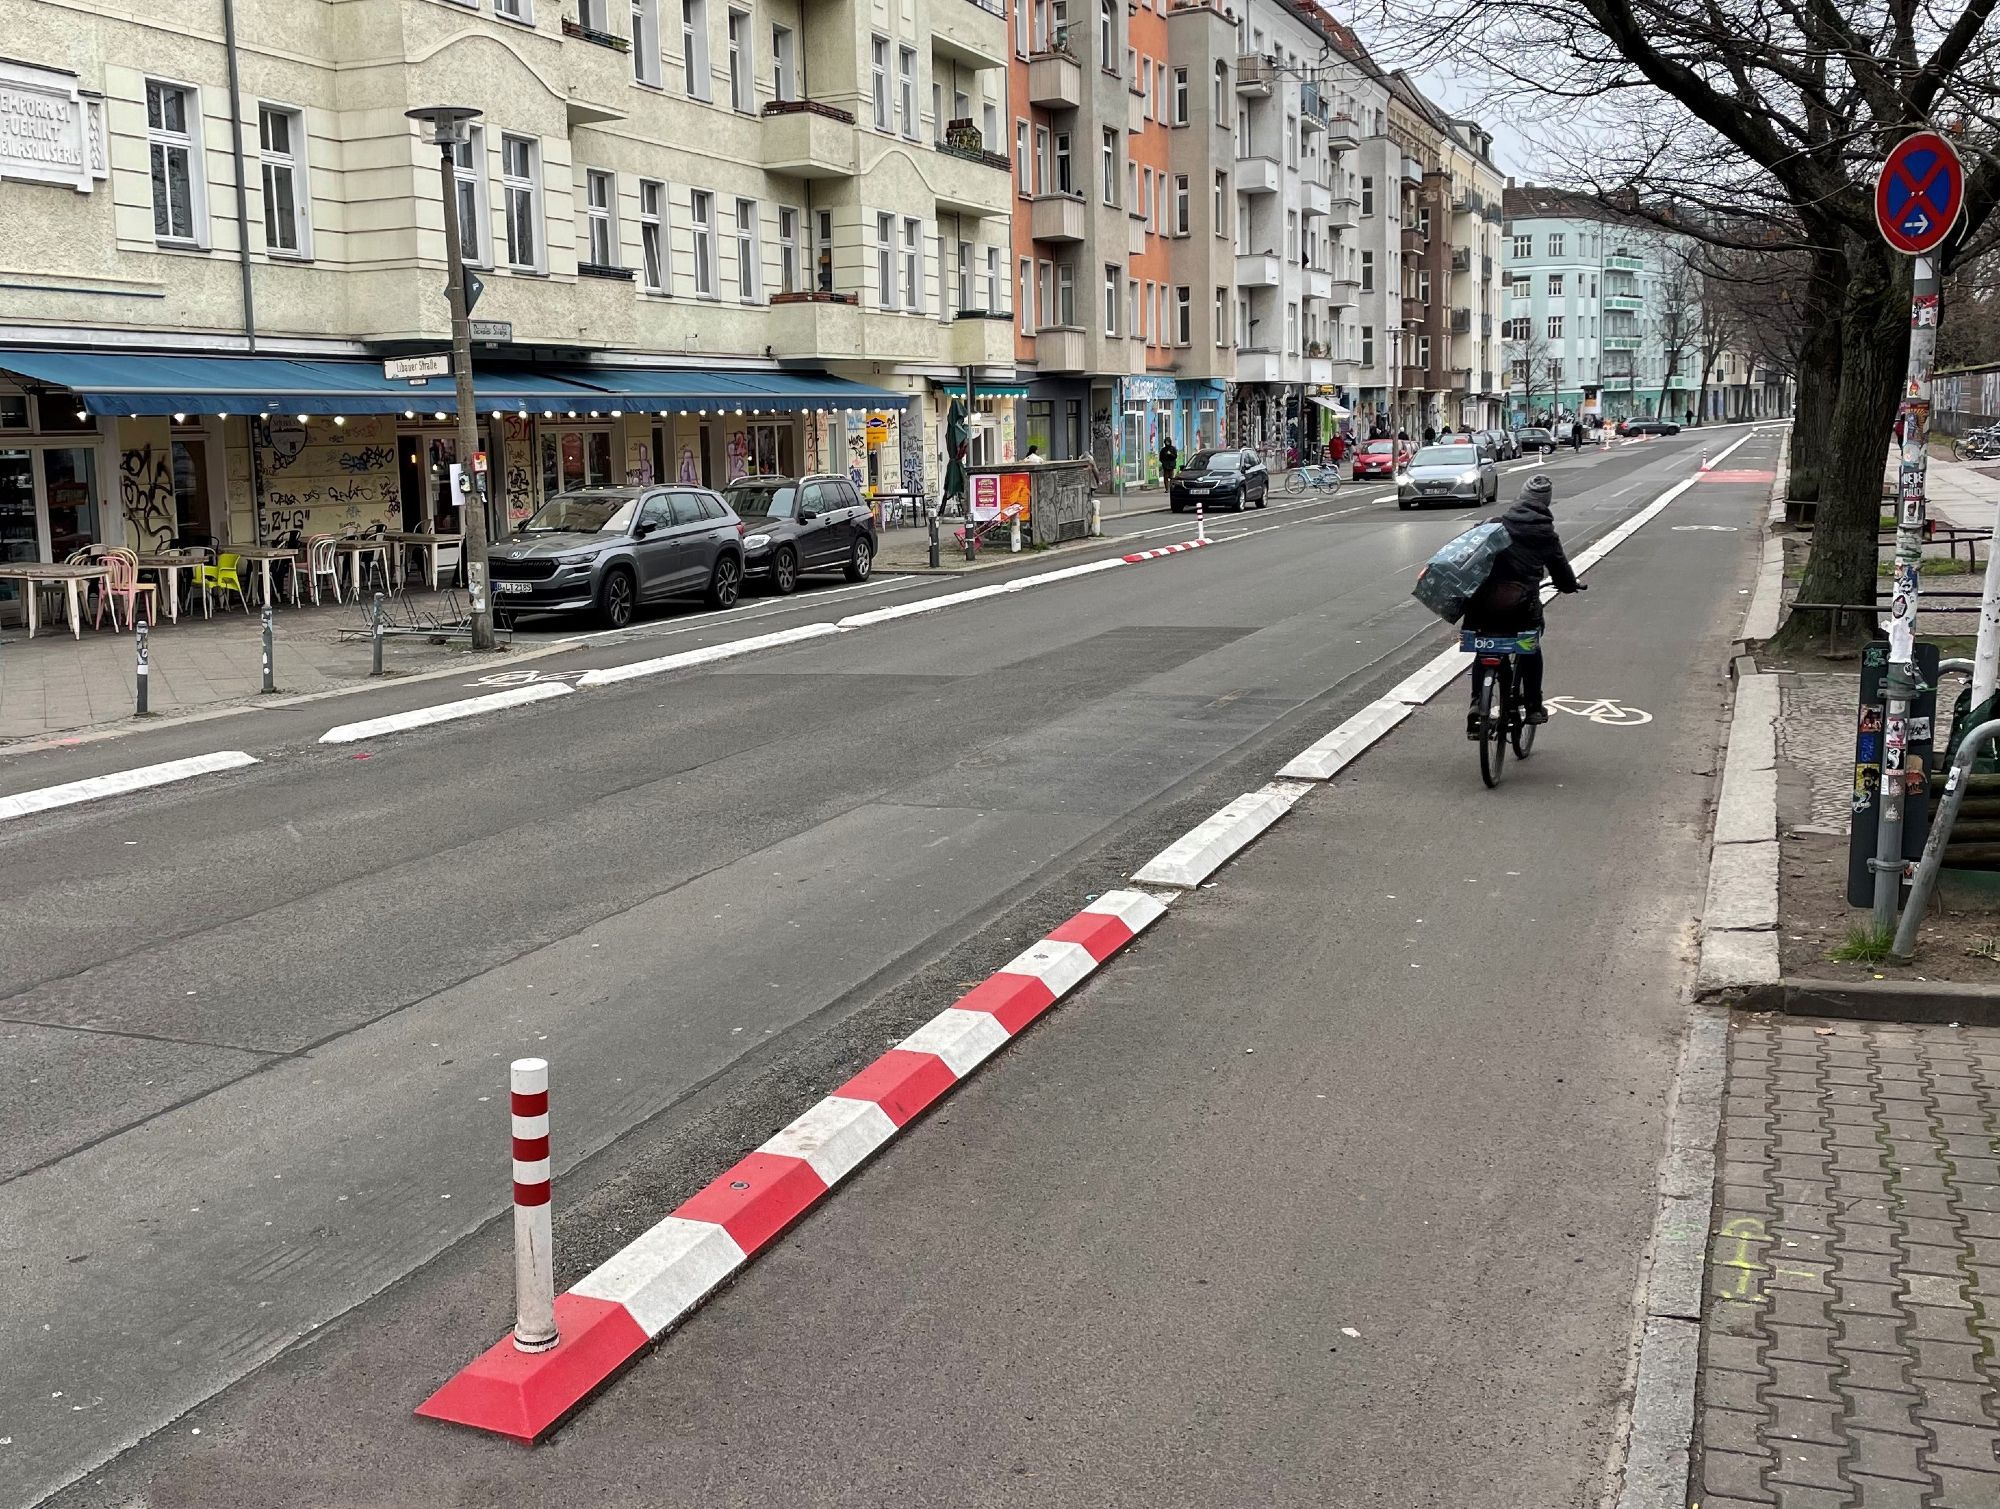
50,131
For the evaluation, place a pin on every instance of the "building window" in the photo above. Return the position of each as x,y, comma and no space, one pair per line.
1368,272
791,266
1221,99
1524,247
965,275
1556,242
913,264
173,127
784,63
906,90
646,41
1107,35
281,137
1367,345
653,234
694,47
600,192
1066,296
1183,314
885,261
1221,316
1555,327
1022,181
1555,283
469,171
514,10
1180,96
1110,299
701,216
1135,309
1108,167
1423,351
1182,208
1519,288
1367,195
521,184
748,272
742,66
1423,285
1023,296
992,279
879,72
1222,204
1065,176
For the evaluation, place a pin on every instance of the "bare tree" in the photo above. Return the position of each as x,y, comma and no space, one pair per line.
1532,363
1678,320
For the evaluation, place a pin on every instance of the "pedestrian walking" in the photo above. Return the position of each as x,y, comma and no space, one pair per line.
1430,435
1170,458
1576,436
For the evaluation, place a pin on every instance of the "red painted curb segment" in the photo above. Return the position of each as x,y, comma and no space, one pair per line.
618,1309
1147,555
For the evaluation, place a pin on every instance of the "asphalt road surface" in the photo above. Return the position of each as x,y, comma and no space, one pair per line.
258,1030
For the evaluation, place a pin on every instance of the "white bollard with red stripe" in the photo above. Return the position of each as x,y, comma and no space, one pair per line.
534,1241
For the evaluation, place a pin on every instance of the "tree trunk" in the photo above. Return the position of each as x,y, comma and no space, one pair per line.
1874,360
1818,373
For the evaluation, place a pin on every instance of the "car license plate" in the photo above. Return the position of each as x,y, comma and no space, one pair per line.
506,586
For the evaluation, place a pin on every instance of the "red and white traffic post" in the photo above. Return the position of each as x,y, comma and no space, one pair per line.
534,1241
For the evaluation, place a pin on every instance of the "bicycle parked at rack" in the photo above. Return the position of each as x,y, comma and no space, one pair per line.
1318,478
1977,445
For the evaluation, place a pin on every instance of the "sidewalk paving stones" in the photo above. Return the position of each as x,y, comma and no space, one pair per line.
1853,1307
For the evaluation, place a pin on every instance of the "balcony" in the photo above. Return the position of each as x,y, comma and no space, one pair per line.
1257,270
1342,213
969,32
571,27
1319,371
1057,217
1343,292
1461,322
1413,171
1342,134
816,324
1620,262
1314,199
1256,175
1415,241
967,179
1623,342
1318,284
1055,81
1629,303
1255,74
1312,107
805,139
1467,202
1060,348
1258,364
1458,379
1461,259
982,338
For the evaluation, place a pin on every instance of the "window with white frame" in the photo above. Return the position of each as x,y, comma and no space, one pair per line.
1023,297
1023,182
1555,327
1222,204
521,187
1367,345
878,48
1524,246
1107,35
653,234
1367,195
1183,314
1520,288
1108,165
468,159
1368,272
1066,295
992,278
784,63
515,10
965,275
1110,298
701,218
1132,184
694,48
1423,351
885,261
173,139
791,256
1065,176
749,273
1181,206
1557,240
913,264
1555,283
906,91
281,141
646,41
590,14
1221,92
600,199
742,66
1135,309
1221,316
1180,96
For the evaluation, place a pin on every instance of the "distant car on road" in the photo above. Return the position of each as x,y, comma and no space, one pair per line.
1449,474
1220,479
793,526
1510,446
1382,458
609,549
1648,427
1534,438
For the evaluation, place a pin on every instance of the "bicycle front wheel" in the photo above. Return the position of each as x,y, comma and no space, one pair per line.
1957,450
1296,482
1493,727
1524,738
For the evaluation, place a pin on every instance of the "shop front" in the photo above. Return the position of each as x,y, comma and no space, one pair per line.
1146,409
1051,416
1198,410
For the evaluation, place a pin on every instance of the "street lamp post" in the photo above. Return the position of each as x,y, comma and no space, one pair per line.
449,126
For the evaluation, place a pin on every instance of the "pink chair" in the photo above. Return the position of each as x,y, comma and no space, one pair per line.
124,582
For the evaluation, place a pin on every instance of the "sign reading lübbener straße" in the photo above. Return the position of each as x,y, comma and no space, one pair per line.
50,130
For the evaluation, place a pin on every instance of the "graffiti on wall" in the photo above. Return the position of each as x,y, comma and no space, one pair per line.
146,493
912,437
322,485
517,446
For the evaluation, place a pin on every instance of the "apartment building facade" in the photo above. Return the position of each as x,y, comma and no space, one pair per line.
714,237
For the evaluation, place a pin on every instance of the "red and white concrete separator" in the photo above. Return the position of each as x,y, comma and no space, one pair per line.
617,1309
1147,555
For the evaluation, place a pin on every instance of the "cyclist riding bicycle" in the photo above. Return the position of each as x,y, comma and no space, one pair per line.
1510,600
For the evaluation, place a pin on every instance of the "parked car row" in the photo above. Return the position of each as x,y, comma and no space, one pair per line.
611,550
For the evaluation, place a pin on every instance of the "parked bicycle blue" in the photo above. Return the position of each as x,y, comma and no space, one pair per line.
1324,479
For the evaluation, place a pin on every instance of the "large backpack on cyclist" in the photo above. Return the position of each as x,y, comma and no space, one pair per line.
1459,569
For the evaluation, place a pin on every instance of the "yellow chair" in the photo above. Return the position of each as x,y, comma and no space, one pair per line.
223,577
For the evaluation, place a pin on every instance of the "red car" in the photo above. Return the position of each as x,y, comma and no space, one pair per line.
1382,458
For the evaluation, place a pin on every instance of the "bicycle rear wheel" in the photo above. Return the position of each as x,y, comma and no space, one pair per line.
1296,482
1524,738
1493,725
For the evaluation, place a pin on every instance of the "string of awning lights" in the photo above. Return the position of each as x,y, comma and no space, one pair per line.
440,414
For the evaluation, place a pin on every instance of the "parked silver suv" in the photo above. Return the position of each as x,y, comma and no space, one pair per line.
609,549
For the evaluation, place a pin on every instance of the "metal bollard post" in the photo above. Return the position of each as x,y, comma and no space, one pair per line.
375,634
935,557
270,669
1014,538
534,1249
141,633
1200,520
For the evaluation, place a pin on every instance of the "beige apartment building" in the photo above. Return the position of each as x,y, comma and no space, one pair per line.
714,237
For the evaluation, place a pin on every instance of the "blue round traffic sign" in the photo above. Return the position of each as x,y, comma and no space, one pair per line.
1919,193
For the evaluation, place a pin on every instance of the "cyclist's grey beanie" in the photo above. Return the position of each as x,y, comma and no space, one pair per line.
1538,491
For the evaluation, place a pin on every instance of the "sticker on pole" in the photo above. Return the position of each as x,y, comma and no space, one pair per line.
1919,193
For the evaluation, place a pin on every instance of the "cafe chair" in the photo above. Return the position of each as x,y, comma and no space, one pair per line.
223,576
124,583
323,560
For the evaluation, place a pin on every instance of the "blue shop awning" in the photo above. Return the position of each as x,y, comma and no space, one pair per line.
111,382
692,389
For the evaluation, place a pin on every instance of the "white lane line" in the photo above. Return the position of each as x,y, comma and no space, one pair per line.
728,650
121,781
702,621
445,712
1323,759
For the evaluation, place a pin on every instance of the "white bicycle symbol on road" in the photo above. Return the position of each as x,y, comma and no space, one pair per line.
524,678
1602,710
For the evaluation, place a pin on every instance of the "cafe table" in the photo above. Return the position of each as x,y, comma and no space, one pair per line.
357,549
35,573
169,564
263,556
404,539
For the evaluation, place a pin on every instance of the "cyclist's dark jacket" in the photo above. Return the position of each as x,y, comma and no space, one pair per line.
1511,598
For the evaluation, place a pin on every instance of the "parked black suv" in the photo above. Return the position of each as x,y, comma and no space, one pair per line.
610,549
804,524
